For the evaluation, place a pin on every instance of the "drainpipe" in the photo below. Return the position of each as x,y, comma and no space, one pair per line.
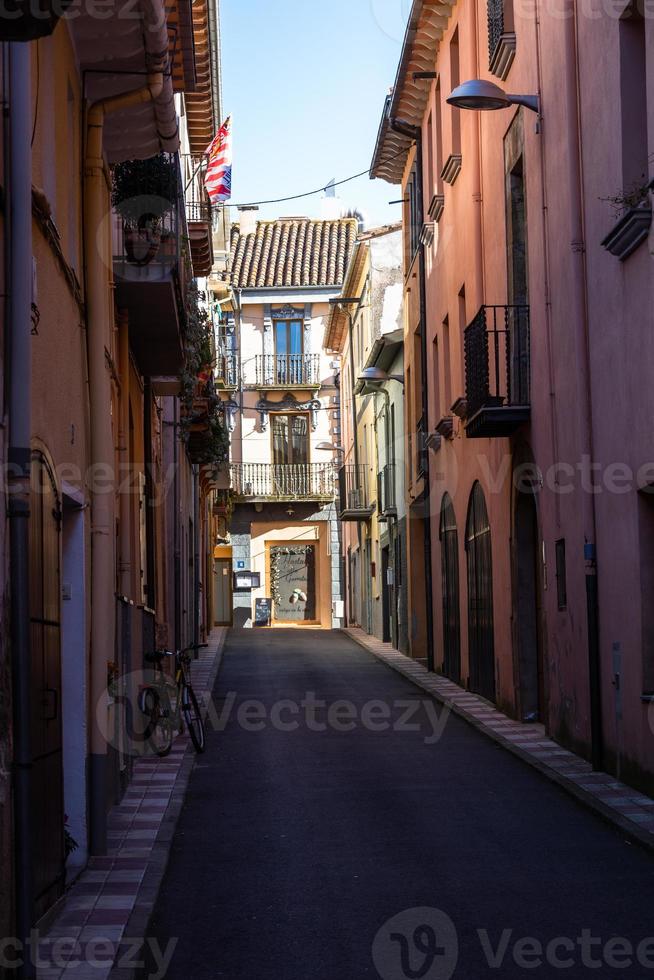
196,558
18,239
125,566
579,319
415,133
98,312
150,570
177,555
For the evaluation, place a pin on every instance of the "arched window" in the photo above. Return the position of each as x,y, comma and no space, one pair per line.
481,643
449,538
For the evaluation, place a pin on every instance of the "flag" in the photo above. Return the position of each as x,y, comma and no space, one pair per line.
218,175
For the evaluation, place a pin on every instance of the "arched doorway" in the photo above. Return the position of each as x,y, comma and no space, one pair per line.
47,749
449,538
526,596
481,643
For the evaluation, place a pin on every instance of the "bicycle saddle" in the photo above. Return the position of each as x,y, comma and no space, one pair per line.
157,656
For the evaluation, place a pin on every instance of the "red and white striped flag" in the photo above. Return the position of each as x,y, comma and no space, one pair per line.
218,175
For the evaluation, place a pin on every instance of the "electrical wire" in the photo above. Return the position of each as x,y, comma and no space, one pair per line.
296,197
38,89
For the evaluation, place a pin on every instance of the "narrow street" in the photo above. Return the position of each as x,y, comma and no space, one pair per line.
294,848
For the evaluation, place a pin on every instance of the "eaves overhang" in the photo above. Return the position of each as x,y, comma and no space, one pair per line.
408,99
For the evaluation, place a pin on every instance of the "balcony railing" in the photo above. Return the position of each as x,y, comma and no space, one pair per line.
386,494
151,274
287,370
227,369
354,504
198,220
283,481
497,362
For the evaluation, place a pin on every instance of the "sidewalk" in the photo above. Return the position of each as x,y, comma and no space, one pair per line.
114,896
632,812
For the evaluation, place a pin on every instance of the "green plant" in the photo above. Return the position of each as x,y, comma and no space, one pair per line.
70,844
145,190
633,196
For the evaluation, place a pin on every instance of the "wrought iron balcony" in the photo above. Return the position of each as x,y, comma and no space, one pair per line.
198,220
227,369
497,365
293,481
287,370
354,504
386,494
150,270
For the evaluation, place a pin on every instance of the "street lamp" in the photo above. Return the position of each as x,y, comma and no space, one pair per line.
480,94
376,375
329,447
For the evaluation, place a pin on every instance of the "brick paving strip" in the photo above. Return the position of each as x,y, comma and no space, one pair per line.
113,898
632,812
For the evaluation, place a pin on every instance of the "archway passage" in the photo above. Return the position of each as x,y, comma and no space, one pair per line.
481,643
47,748
527,609
449,538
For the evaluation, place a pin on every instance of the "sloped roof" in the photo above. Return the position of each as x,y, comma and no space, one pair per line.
428,21
292,252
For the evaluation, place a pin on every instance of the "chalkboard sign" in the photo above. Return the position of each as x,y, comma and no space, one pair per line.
262,612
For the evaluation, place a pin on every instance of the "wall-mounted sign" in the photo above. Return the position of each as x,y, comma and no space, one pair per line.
247,580
240,564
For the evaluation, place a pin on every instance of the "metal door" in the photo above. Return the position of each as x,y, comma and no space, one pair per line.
47,749
481,643
449,538
222,592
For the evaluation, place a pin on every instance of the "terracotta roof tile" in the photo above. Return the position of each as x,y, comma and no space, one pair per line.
292,252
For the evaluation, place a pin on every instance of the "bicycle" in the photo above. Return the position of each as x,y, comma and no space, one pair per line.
169,704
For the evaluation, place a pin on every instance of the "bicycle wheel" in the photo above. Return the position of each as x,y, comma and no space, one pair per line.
160,727
193,718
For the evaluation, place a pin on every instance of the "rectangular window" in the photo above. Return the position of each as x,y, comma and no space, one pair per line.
430,157
439,139
455,78
290,439
447,364
633,96
413,217
646,543
462,327
289,360
436,383
561,575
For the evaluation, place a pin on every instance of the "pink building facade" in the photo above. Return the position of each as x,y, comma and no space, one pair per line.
528,346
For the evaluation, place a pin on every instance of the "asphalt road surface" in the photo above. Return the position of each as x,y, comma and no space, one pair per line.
361,840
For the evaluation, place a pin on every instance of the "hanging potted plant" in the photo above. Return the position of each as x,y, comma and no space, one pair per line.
144,191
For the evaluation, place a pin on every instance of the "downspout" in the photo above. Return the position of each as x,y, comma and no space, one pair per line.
125,566
19,381
196,557
583,365
151,590
98,312
177,556
415,133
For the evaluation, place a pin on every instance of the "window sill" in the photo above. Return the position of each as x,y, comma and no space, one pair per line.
452,168
503,55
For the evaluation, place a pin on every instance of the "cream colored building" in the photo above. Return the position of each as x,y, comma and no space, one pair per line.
286,403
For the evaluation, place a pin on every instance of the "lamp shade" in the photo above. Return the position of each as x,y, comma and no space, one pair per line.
478,94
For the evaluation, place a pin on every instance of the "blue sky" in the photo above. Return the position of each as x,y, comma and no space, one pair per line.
305,81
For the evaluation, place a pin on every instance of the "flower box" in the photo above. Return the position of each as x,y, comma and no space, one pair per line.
632,229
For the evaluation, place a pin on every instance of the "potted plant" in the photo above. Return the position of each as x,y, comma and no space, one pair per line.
144,191
633,208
